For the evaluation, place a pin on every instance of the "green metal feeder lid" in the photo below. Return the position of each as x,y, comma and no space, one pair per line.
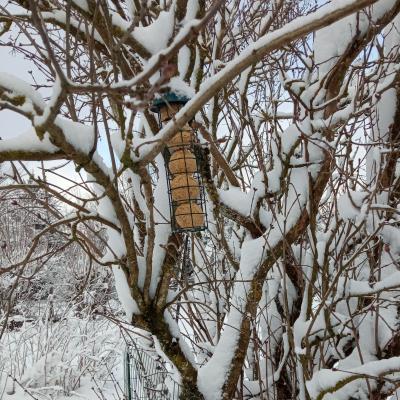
168,98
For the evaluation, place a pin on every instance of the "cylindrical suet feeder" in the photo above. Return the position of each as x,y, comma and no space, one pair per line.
185,187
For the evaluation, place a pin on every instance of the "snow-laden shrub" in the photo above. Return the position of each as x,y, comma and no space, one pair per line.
52,359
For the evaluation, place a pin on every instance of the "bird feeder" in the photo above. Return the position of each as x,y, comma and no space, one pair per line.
185,188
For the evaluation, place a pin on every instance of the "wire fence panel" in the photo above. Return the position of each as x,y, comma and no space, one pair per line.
146,377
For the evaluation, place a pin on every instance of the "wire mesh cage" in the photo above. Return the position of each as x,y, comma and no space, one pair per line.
146,376
185,190
185,187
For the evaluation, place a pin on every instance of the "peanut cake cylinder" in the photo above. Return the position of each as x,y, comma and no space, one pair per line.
182,162
184,187
189,215
183,138
168,111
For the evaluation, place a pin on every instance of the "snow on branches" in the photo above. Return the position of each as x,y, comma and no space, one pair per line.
293,291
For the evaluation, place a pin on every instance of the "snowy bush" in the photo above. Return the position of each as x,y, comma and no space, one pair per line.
59,358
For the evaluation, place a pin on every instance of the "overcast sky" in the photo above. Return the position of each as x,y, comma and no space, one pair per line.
10,123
